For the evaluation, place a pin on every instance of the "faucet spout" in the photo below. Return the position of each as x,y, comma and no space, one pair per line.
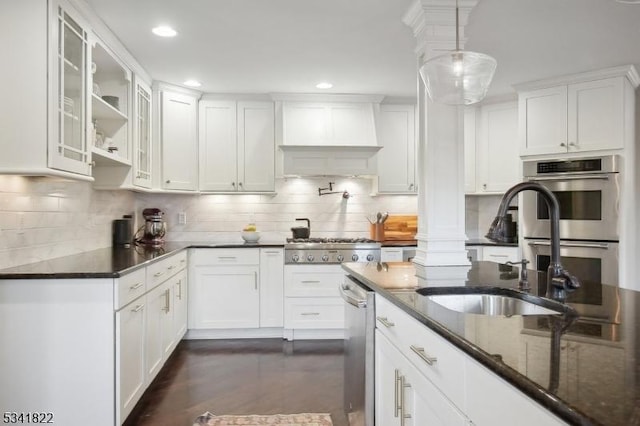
559,281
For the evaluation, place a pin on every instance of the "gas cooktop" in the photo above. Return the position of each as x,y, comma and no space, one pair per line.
331,250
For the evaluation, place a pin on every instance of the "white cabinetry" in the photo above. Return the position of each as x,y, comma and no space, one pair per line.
579,113
225,290
237,146
492,161
313,307
178,114
44,115
397,158
272,287
500,254
420,374
142,135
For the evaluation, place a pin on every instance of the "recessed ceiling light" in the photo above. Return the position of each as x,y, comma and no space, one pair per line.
324,85
164,31
192,83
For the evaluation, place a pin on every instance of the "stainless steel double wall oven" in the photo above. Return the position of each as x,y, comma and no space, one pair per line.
588,191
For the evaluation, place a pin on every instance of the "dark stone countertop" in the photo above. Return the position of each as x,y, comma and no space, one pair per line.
485,242
598,360
111,262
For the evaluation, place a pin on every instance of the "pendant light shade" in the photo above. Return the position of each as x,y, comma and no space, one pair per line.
458,77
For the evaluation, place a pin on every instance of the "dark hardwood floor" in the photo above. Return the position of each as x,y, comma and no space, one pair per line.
255,376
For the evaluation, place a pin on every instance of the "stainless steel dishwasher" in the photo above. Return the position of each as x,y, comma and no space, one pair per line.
359,352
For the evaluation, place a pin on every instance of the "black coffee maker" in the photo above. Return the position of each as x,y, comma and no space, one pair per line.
122,232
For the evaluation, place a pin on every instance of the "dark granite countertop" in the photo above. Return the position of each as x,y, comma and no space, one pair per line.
111,262
598,364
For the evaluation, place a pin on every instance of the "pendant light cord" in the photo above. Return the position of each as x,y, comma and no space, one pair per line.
457,26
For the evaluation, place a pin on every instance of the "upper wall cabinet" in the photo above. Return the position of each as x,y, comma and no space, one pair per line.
237,146
177,131
492,161
44,115
578,113
110,107
397,158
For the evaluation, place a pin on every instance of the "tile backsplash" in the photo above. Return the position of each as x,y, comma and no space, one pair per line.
221,217
43,218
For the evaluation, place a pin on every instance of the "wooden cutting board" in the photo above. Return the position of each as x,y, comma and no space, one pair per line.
400,228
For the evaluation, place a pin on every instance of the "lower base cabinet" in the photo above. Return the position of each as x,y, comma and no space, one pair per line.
421,379
404,396
130,357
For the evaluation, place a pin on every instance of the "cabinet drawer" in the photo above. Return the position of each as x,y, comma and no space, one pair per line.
301,312
500,254
129,287
233,256
391,254
439,361
164,269
299,283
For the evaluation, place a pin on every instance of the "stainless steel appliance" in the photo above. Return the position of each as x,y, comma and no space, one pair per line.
330,250
359,352
588,191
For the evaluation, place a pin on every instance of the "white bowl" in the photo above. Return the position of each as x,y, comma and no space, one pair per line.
251,236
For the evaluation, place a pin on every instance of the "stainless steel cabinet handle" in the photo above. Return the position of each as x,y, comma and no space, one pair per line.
403,414
167,301
310,282
396,398
138,308
226,258
596,176
385,322
179,295
422,354
271,252
255,280
306,314
136,286
170,267
157,274
603,246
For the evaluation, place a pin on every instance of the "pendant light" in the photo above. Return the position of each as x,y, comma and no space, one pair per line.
458,77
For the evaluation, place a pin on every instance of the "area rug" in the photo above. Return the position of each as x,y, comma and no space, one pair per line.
303,419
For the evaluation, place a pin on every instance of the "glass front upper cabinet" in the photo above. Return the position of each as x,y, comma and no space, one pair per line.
142,142
69,151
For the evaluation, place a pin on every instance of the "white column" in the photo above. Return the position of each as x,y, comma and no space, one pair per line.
441,205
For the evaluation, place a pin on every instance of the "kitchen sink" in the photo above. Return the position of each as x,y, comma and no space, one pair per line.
492,301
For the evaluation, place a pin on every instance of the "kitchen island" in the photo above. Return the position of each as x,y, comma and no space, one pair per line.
597,372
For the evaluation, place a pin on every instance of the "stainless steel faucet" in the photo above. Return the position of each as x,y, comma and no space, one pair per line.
559,280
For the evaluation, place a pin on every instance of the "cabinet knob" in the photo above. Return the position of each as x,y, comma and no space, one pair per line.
484,186
92,163
573,144
233,184
563,144
240,184
168,181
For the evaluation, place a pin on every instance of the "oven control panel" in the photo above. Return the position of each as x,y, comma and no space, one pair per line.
330,256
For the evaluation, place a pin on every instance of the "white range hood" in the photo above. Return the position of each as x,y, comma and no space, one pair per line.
327,135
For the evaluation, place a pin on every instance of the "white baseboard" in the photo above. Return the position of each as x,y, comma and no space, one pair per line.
305,334
235,333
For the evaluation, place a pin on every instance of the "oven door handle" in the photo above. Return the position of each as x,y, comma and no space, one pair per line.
349,298
599,176
603,246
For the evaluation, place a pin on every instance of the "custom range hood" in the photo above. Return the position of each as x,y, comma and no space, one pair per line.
327,135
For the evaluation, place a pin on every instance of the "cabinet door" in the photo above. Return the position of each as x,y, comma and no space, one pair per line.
271,288
179,283
498,159
130,347
256,146
158,328
387,378
142,136
596,116
217,146
396,159
543,121
225,297
68,146
179,142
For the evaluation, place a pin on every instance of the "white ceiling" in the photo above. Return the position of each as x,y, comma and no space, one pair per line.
361,46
